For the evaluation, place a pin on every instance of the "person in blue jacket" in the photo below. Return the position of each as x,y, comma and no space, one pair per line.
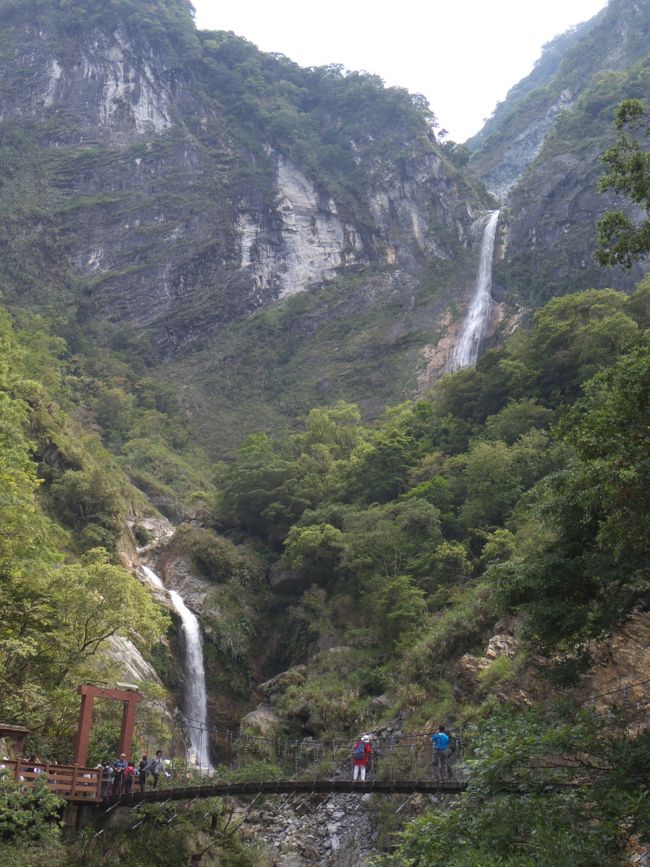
119,767
440,742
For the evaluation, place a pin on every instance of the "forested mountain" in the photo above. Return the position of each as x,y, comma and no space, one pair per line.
176,181
540,153
234,214
230,291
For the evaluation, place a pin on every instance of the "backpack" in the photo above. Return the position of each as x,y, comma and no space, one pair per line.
359,751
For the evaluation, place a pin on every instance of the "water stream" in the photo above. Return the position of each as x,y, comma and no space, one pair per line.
195,696
478,316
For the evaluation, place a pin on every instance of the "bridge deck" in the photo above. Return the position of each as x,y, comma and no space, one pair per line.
282,787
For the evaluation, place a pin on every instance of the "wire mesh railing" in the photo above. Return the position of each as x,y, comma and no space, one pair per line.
239,756
242,757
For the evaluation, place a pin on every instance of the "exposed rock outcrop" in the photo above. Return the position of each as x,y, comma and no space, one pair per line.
262,722
174,214
276,686
334,831
621,666
541,155
132,665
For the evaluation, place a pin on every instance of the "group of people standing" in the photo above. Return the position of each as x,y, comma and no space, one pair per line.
442,745
118,776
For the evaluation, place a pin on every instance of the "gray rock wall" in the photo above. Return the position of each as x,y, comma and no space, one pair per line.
167,223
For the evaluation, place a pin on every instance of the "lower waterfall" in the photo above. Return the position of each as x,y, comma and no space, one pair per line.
469,344
194,692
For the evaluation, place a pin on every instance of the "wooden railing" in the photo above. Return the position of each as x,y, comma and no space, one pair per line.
71,782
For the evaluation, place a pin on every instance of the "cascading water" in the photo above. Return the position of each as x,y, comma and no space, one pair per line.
467,348
196,699
152,578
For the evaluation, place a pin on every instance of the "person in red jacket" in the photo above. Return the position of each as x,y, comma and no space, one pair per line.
361,756
129,776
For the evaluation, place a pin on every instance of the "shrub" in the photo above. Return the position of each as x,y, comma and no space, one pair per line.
28,815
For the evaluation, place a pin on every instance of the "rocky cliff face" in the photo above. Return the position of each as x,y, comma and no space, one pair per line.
540,155
277,237
172,193
168,221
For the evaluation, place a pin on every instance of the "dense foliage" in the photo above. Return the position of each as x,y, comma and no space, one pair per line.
62,506
518,487
168,24
168,837
163,836
514,493
30,816
598,509
546,787
628,171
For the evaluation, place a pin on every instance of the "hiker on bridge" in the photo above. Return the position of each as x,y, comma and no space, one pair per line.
119,767
440,742
107,779
142,772
361,756
129,775
156,767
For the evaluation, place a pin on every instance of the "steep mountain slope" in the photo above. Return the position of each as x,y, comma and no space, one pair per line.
266,237
541,154
173,182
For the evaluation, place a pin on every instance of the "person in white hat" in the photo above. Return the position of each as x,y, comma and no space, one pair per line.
361,753
119,766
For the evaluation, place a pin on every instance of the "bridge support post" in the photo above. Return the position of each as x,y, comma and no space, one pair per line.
128,724
82,736
88,692
76,817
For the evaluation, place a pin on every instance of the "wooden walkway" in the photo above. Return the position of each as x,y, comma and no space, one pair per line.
284,787
72,782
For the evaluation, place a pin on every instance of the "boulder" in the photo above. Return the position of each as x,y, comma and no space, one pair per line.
263,722
466,672
274,687
501,645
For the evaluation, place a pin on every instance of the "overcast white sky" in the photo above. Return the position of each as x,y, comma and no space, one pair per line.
463,55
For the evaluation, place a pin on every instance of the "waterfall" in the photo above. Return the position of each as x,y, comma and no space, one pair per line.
152,578
195,696
467,348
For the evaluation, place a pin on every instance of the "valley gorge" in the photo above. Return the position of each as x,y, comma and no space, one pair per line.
315,424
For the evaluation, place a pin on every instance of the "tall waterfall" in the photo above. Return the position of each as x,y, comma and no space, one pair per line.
195,695
467,348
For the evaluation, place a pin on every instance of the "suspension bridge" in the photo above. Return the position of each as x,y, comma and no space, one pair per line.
247,764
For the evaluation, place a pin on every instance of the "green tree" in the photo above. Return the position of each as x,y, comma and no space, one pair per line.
492,484
28,815
400,607
621,240
593,570
573,337
448,564
315,550
266,491
94,600
559,786
337,427
385,540
517,418
88,501
378,467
